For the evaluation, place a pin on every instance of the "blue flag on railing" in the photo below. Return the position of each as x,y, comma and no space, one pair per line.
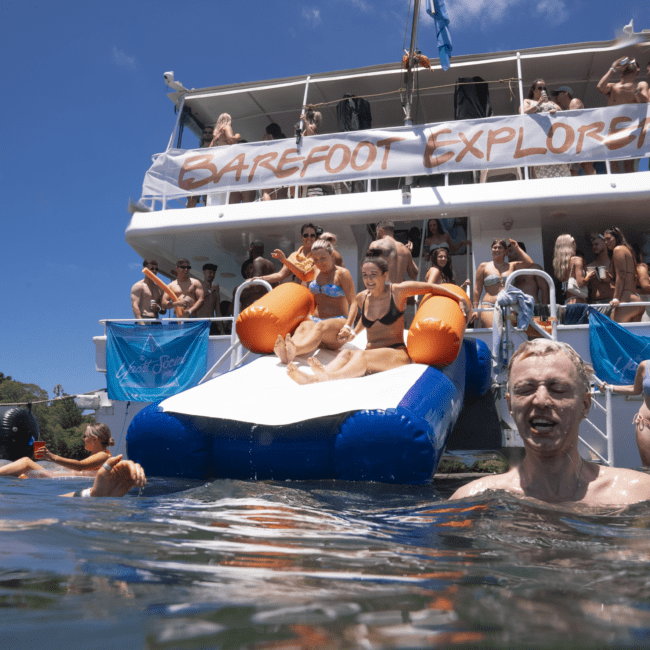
438,11
615,351
151,362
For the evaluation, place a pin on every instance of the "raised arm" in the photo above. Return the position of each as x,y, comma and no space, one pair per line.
603,85
304,271
525,261
92,462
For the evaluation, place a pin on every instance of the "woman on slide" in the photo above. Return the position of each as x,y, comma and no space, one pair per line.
96,438
382,313
336,308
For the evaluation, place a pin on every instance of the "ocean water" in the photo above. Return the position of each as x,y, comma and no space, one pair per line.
295,565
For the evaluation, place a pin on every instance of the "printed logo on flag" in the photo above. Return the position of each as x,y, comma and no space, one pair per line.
151,362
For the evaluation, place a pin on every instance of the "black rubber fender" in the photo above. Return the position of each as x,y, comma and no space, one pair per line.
18,430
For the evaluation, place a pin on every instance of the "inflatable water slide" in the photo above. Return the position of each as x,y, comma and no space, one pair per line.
254,422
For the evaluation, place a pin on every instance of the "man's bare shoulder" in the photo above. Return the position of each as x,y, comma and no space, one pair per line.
620,486
138,287
508,481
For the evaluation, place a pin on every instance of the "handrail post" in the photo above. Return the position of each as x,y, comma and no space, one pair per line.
521,98
608,427
234,339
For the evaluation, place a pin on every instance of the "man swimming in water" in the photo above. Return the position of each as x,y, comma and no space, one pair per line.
548,396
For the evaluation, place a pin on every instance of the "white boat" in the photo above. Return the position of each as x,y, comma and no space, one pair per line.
491,200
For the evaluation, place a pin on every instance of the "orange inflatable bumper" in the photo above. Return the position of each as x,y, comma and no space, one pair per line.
179,311
437,331
277,313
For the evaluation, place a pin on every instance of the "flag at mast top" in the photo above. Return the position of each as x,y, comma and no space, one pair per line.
438,11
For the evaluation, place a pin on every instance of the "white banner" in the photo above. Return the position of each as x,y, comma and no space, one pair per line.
611,133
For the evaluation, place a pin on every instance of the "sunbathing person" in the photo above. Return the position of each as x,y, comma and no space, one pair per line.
336,308
382,313
96,438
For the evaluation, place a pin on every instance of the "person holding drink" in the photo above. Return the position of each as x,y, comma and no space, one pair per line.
97,439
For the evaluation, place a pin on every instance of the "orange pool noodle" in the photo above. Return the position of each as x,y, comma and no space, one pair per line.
278,312
437,331
179,311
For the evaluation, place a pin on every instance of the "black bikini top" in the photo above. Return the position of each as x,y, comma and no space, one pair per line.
391,316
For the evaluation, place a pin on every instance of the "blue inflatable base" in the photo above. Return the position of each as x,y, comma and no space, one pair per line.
394,445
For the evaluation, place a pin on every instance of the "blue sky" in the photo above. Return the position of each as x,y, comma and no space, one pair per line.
85,108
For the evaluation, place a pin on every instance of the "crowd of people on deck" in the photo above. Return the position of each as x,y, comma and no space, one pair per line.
539,99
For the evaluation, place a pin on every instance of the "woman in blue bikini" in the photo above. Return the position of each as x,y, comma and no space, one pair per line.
382,314
336,308
491,276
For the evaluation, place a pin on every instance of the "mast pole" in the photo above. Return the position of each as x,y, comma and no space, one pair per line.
408,121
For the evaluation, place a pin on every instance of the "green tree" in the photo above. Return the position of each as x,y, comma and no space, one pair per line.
61,423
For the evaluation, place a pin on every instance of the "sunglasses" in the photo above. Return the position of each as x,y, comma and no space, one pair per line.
185,268
310,235
152,268
541,87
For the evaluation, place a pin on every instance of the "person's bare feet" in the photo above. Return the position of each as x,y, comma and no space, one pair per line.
319,369
280,349
298,376
290,347
124,475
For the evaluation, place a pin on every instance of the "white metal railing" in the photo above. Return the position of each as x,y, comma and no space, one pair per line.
608,434
235,349
294,190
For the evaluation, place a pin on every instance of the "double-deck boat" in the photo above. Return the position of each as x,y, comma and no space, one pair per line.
453,159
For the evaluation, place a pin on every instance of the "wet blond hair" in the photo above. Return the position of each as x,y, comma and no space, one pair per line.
101,431
324,245
544,347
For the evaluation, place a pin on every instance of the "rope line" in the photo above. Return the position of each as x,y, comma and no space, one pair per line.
45,401
393,92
